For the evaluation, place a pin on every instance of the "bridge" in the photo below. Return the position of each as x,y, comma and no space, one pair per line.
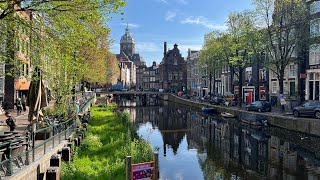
131,92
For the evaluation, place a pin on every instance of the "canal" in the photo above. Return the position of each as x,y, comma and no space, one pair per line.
194,146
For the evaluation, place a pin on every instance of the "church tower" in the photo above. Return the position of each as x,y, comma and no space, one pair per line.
127,44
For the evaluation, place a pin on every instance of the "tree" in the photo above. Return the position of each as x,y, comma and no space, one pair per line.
246,41
8,7
211,60
285,22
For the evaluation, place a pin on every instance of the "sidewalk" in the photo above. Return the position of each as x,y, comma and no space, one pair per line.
22,120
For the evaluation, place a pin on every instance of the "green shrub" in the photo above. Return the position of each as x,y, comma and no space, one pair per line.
108,142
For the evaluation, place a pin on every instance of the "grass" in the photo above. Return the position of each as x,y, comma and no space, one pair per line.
110,138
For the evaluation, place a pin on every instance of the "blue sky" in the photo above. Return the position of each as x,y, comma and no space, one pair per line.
151,22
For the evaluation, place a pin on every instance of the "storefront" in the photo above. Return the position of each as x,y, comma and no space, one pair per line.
248,94
312,84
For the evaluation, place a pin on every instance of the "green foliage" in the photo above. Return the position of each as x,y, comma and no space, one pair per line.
108,142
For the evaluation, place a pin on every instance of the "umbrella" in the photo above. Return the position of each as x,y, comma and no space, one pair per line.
36,98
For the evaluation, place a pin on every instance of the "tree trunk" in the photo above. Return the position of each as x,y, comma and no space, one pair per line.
281,78
210,88
240,87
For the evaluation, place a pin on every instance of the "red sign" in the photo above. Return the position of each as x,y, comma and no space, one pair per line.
262,89
142,171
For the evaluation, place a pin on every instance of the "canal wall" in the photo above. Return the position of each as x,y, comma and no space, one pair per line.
306,125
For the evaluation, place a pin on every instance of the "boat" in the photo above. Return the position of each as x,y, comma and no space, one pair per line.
227,115
208,110
253,119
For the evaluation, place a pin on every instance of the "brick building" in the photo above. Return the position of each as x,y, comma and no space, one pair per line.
172,70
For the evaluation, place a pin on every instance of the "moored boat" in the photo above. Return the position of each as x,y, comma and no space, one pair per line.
208,110
227,115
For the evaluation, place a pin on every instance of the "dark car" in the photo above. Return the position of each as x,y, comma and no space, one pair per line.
259,106
309,108
217,100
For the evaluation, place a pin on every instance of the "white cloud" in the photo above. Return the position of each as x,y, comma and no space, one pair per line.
182,1
200,20
148,47
163,1
131,25
170,15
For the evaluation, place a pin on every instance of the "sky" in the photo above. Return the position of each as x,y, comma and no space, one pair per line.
184,22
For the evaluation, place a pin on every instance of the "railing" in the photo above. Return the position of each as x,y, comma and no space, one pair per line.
30,147
21,151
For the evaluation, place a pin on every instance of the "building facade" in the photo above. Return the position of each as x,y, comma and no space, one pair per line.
173,70
16,85
194,77
131,59
313,64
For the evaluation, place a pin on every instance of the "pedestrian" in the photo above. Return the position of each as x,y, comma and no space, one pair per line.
19,106
11,122
23,101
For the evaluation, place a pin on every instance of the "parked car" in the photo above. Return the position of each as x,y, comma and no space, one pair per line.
259,106
217,100
309,108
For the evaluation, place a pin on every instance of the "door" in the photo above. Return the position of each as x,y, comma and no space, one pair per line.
249,97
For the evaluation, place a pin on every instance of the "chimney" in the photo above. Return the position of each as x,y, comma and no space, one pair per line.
165,48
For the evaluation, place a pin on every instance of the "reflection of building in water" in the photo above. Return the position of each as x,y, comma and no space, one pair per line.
173,127
294,160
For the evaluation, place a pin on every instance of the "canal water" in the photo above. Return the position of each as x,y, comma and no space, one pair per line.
193,146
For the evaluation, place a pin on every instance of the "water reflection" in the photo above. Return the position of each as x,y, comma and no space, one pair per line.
193,146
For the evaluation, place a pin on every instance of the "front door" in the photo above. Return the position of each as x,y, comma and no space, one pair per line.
249,97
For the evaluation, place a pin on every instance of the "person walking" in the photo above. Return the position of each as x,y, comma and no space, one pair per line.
23,101
19,106
11,122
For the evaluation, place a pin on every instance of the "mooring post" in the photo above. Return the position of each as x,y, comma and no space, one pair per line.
155,170
128,168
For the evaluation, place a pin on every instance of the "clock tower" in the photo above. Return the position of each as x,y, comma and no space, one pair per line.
127,43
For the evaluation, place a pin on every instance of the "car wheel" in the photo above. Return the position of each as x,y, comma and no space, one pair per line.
296,113
247,109
317,114
269,110
259,110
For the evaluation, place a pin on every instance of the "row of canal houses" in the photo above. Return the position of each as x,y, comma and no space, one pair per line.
301,79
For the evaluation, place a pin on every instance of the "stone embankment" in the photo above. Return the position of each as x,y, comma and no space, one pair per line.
306,125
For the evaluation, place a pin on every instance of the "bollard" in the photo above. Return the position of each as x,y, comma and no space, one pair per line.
75,140
53,173
55,160
70,146
128,168
66,154
79,140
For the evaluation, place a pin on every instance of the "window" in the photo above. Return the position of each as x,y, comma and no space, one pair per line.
273,75
314,27
292,71
175,62
262,74
170,76
292,88
315,7
274,86
314,54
